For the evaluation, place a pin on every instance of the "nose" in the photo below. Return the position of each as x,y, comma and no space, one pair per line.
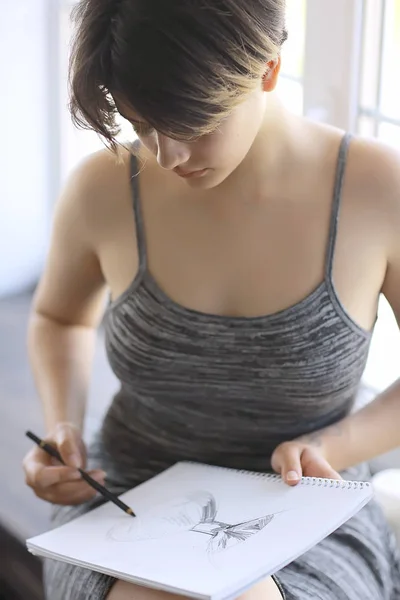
171,153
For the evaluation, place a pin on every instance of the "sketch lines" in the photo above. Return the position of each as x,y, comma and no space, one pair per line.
195,513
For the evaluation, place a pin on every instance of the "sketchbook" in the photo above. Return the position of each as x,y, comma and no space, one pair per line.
203,531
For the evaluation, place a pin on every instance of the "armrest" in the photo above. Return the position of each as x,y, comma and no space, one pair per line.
391,460
386,486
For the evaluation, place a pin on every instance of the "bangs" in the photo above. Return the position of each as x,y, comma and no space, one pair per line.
183,87
182,67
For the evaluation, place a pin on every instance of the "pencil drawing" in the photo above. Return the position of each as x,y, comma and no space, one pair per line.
196,513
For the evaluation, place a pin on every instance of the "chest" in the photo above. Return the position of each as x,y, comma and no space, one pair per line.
256,259
304,359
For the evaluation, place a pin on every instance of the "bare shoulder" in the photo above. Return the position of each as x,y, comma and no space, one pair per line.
374,182
73,286
370,209
97,184
372,177
375,166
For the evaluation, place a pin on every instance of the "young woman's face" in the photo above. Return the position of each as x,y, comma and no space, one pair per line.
208,161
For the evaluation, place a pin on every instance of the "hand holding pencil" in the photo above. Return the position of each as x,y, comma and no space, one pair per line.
55,482
52,451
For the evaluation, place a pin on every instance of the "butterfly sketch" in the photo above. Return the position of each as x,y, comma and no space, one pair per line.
195,513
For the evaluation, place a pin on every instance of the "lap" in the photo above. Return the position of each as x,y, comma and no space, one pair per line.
67,582
359,560
265,590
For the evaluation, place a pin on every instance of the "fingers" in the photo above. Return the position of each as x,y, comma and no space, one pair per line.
286,461
61,483
73,493
68,444
70,497
315,465
293,460
40,472
63,488
57,483
43,477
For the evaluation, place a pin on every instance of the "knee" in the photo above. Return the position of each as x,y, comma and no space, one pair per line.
121,590
264,590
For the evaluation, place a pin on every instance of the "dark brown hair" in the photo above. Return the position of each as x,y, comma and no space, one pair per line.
182,65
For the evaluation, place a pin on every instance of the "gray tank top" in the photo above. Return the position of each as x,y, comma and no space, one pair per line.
226,390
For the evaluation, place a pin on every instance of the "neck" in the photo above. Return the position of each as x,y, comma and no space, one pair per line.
269,152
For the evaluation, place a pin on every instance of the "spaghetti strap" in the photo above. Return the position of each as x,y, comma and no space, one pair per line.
337,198
137,209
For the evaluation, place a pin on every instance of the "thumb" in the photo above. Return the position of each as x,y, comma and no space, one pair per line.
286,461
68,444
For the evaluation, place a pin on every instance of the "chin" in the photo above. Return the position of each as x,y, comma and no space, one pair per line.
212,180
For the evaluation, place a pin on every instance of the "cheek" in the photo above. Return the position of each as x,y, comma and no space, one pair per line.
149,142
226,147
237,134
218,147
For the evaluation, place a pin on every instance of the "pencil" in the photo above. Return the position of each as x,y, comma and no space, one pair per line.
92,482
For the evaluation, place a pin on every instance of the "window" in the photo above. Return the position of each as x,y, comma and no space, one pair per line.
75,143
290,86
379,116
379,112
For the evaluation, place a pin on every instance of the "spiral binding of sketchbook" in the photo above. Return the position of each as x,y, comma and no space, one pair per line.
205,532
305,481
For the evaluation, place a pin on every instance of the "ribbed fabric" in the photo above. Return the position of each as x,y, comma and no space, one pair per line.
227,391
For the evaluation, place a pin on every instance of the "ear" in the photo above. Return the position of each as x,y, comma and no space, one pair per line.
270,79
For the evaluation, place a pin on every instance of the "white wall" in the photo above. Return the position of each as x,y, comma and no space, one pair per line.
24,182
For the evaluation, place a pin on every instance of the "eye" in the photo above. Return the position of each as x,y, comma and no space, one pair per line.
142,129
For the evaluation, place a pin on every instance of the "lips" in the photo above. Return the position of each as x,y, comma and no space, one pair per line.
189,174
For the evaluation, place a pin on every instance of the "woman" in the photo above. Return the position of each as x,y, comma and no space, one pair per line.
244,249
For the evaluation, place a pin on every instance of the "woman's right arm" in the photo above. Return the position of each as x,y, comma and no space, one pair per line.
67,308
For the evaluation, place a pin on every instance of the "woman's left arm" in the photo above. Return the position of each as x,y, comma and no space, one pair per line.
360,437
375,429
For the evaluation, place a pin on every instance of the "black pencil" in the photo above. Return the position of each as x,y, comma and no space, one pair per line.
92,482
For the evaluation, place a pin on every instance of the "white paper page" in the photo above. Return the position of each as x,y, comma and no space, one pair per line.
202,531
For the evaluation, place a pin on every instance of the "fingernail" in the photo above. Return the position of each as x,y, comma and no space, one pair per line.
292,476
